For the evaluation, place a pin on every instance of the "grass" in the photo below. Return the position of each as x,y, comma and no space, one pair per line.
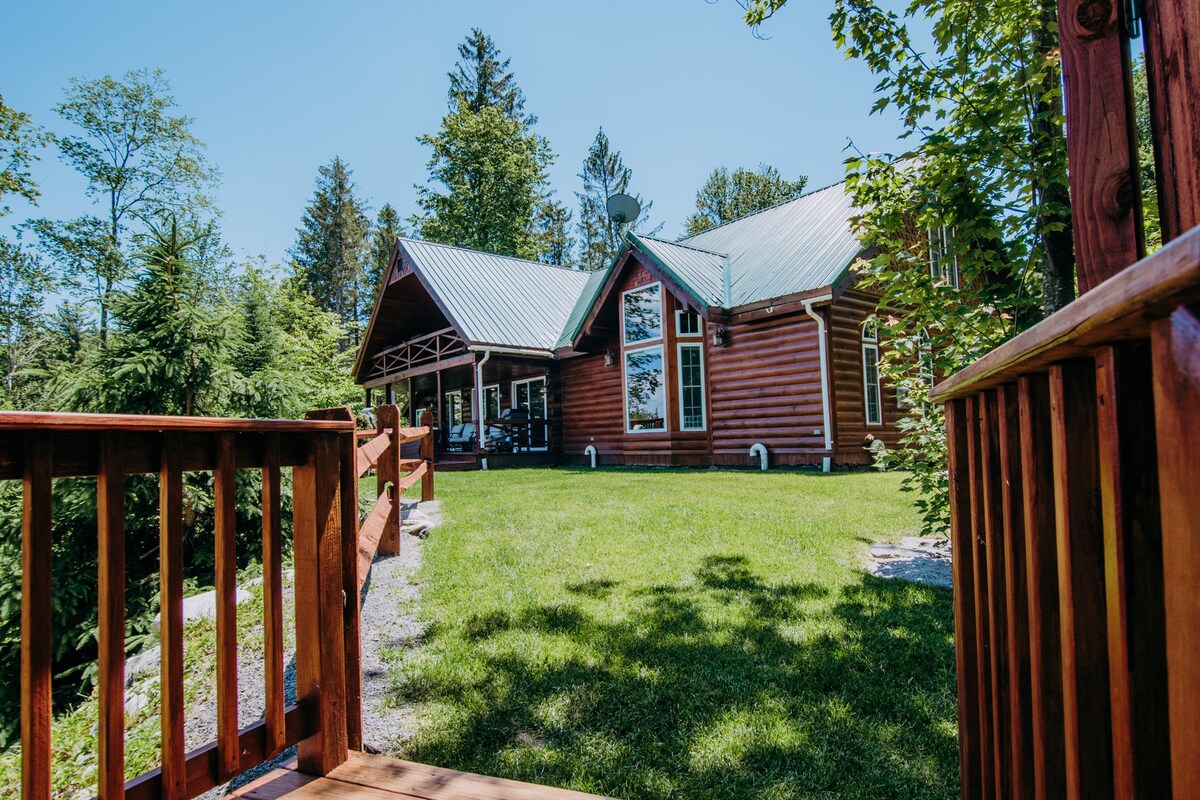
680,634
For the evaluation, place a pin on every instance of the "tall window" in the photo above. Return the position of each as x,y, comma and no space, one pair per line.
872,393
645,390
491,401
691,387
452,409
943,264
641,314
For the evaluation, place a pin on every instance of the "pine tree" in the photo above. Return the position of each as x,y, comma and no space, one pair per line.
331,247
727,196
481,80
383,241
487,174
604,175
552,227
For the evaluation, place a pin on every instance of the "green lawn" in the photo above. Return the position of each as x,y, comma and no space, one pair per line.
681,634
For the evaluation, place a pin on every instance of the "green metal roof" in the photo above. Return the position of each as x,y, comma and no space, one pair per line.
499,300
701,272
583,305
793,247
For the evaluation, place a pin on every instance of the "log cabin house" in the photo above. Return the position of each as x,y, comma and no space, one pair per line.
685,353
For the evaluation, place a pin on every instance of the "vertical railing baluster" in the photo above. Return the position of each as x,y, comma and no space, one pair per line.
1086,716
170,553
965,650
37,557
1016,610
979,567
427,453
110,523
993,522
1134,571
225,518
1176,351
272,544
1041,561
387,471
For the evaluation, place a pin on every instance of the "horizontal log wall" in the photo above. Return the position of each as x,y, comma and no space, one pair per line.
846,317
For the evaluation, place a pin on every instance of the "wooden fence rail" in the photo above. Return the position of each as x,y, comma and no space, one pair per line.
1074,462
322,451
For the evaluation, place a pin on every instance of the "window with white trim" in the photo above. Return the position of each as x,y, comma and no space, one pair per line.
491,401
943,263
691,387
872,391
645,390
687,323
641,314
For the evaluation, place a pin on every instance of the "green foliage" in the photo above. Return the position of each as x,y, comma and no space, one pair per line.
604,175
492,174
552,227
24,282
481,80
1151,219
331,251
727,196
19,140
388,229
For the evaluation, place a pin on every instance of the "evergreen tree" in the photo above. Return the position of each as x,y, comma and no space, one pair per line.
552,227
331,247
727,196
481,80
383,241
24,282
604,174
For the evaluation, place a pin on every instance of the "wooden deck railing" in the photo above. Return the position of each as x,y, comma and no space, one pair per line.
322,451
1074,463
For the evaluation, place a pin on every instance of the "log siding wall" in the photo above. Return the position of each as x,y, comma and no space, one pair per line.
845,320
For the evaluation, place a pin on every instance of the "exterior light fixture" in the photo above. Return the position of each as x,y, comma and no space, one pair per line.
610,358
720,337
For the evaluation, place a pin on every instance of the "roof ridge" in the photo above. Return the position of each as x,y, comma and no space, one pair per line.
490,255
680,244
760,211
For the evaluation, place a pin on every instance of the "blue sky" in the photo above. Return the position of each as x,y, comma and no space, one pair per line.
277,89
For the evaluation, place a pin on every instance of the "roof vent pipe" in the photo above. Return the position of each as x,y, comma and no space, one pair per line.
759,449
590,450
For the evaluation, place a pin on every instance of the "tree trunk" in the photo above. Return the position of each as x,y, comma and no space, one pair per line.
1049,155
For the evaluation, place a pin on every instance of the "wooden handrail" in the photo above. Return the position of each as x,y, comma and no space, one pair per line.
1120,309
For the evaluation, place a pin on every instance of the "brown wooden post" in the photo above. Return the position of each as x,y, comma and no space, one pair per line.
1173,75
979,578
1176,350
37,609
427,454
170,583
387,472
1101,143
272,563
110,523
225,517
320,643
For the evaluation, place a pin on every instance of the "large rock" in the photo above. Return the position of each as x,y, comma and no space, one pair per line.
200,606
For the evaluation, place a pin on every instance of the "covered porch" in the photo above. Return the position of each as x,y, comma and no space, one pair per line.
489,407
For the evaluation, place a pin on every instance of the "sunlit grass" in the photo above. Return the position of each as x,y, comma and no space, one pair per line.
682,634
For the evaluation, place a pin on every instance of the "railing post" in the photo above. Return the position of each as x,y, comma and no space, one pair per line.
427,456
320,641
36,611
387,471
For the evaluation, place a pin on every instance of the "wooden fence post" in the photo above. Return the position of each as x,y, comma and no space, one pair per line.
387,471
320,641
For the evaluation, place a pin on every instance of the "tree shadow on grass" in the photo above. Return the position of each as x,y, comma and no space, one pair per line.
725,686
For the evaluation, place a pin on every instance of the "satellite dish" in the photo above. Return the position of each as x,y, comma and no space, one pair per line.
622,208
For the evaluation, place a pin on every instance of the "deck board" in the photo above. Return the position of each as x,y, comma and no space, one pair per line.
368,777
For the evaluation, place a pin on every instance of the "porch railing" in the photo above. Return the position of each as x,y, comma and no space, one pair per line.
1074,465
322,451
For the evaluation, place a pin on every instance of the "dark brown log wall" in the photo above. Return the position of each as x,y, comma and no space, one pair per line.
845,319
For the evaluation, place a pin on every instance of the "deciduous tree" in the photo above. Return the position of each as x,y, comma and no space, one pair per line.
727,196
19,140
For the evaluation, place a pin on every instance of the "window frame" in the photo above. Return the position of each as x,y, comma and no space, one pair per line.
657,286
941,267
680,314
871,320
878,385
483,404
698,346
662,355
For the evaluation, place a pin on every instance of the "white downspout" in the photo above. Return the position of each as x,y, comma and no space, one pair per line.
590,450
824,361
479,409
759,449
